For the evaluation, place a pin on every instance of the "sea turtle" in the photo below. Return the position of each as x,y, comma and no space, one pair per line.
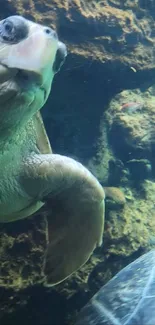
31,175
127,299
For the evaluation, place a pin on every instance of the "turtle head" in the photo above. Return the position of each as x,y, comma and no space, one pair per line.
30,55
30,47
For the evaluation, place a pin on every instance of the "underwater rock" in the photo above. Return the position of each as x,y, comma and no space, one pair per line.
22,246
140,169
115,194
110,29
135,131
116,171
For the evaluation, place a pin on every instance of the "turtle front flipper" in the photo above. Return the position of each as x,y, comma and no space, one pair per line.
75,202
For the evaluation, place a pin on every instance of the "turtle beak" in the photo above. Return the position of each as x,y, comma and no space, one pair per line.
60,57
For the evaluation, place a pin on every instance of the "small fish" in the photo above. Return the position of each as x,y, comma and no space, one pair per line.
131,107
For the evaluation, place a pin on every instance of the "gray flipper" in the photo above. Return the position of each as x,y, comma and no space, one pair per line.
73,236
75,203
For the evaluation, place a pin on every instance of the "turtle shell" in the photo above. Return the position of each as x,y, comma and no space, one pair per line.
127,299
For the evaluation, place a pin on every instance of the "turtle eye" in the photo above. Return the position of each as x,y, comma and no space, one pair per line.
8,26
13,29
7,31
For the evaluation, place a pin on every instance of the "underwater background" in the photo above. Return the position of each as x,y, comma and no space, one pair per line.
101,111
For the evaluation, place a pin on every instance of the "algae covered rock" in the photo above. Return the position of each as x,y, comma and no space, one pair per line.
113,28
21,252
115,195
134,128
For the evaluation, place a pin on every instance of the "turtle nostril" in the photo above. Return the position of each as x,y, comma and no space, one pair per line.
49,31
